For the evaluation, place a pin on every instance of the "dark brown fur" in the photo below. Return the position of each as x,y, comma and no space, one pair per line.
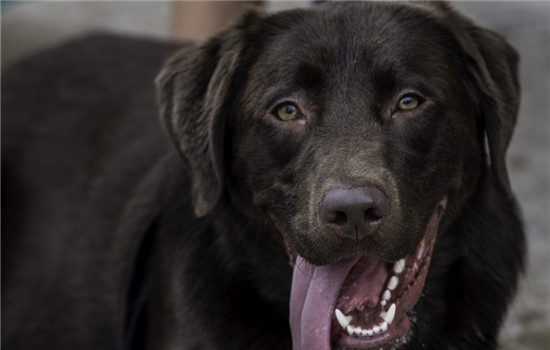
109,242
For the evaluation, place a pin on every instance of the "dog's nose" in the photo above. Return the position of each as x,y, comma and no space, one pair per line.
355,212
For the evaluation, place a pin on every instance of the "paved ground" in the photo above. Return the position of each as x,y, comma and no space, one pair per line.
30,26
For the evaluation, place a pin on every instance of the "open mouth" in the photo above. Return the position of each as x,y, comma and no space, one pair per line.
362,303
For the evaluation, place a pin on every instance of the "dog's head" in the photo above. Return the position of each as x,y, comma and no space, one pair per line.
358,130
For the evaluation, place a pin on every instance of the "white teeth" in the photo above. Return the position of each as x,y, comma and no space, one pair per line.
393,283
358,331
343,320
387,295
399,266
389,315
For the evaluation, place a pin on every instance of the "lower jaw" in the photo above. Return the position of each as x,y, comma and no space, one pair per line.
399,334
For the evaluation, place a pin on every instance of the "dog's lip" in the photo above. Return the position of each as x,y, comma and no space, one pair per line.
313,301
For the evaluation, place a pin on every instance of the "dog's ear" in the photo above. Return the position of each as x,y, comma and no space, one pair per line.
194,93
496,72
493,67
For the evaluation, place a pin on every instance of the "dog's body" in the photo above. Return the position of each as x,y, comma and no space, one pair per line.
110,240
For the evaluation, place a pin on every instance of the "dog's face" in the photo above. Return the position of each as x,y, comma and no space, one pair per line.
358,131
362,104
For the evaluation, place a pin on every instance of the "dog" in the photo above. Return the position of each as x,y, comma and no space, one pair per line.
322,178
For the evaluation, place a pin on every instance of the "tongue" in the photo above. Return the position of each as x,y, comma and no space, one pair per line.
312,302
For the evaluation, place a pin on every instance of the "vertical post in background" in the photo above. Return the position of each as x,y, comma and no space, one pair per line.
199,20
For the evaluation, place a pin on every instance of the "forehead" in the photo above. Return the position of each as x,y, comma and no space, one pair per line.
347,41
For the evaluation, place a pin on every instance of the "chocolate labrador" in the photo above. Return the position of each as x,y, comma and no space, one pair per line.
322,178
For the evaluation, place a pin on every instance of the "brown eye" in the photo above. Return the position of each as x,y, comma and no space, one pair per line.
287,112
408,102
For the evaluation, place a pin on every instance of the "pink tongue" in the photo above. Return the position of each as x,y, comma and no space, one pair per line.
312,301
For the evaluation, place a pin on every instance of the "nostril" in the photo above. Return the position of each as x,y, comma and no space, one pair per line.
371,215
340,218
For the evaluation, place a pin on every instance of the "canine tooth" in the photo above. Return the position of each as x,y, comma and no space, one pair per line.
393,283
376,329
386,295
389,315
350,330
399,266
384,326
343,320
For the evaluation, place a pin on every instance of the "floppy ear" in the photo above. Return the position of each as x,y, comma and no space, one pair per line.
194,93
494,68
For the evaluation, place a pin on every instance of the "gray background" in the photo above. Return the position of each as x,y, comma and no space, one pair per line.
30,26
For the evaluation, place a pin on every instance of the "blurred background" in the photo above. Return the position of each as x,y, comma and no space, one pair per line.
28,27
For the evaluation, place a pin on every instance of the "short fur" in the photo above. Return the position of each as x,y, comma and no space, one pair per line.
110,240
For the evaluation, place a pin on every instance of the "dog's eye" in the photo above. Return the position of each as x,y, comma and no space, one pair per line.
287,112
408,102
